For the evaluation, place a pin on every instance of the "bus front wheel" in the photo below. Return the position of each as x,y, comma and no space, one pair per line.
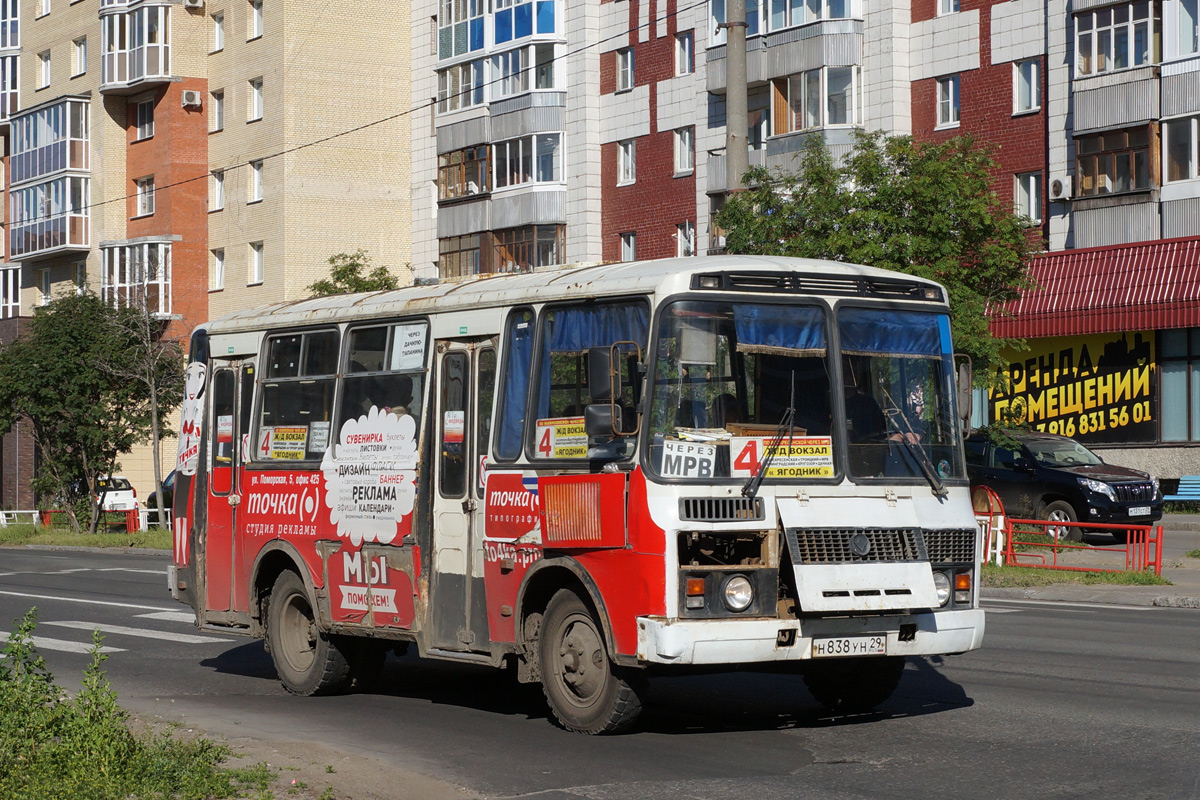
308,661
587,693
853,685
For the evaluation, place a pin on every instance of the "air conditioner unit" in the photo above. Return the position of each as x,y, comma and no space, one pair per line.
191,98
1060,188
193,3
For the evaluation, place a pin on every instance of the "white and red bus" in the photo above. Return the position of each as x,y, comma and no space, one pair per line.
596,472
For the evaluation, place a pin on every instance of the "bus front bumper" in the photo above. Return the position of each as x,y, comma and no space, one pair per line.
729,641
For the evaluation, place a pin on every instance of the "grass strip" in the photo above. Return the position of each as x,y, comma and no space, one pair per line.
155,539
1021,577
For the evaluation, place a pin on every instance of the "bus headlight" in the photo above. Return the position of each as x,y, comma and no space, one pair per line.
942,585
738,594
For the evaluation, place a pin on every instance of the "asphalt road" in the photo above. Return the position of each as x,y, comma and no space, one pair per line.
1065,700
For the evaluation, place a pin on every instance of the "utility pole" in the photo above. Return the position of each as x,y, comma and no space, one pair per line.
737,126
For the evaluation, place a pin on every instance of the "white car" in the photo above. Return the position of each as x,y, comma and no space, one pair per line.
117,493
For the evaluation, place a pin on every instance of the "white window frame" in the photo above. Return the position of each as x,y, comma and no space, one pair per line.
1097,32
685,150
145,196
218,190
43,8
255,110
799,100
218,31
216,276
1027,79
255,20
685,53
461,86
255,268
256,182
44,73
780,14
217,104
81,277
629,246
626,162
625,67
1169,132
947,7
529,153
79,56
1183,17
45,286
949,104
685,239
144,119
10,292
137,276
1027,198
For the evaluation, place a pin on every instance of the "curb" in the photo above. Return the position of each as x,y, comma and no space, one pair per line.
71,548
1048,594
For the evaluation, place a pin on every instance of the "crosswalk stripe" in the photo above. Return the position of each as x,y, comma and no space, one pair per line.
62,645
170,616
145,633
87,600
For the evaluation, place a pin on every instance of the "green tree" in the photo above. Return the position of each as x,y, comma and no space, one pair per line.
72,376
923,208
352,272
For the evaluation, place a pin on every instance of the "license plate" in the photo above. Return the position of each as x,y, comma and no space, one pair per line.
849,646
1139,511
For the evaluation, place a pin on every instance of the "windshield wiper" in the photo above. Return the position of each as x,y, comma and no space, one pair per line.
786,425
909,437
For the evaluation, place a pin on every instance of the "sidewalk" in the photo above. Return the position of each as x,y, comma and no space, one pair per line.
1181,534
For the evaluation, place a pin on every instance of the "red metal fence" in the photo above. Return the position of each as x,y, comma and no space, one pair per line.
1044,545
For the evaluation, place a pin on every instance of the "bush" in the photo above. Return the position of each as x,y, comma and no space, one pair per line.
54,746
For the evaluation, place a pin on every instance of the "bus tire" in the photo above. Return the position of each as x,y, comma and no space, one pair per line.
308,661
586,692
853,685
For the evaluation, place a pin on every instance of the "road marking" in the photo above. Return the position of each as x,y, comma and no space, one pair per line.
145,633
43,643
84,600
170,616
993,610
1091,606
128,569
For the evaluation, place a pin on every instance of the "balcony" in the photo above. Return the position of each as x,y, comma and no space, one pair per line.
137,275
136,46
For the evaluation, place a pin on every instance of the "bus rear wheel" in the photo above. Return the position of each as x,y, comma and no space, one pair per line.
587,693
853,685
308,661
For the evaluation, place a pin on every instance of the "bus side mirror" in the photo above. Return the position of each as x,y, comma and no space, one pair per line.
964,384
598,420
603,383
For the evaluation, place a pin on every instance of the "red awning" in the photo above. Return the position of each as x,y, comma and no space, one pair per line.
1132,287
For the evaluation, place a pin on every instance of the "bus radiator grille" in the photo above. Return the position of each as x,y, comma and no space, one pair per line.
950,547
721,509
855,545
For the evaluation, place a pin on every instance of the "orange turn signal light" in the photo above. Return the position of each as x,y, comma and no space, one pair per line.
695,586
962,581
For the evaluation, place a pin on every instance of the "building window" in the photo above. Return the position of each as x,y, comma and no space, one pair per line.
254,274
1027,85
528,247
1179,361
788,13
43,69
10,95
217,109
255,111
510,73
816,98
685,159
464,173
218,32
625,69
458,256
135,45
626,162
543,71
460,27
81,277
629,246
256,182
255,28
1185,14
947,102
48,216
145,196
10,292
44,286
43,7
536,158
685,239
79,57
685,53
1180,143
947,7
460,86
218,191
1117,37
1029,196
216,276
137,276
145,119
1116,161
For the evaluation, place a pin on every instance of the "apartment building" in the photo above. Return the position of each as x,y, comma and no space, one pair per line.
194,157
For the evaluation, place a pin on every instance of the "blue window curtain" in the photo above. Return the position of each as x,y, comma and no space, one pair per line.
517,358
894,333
574,330
782,330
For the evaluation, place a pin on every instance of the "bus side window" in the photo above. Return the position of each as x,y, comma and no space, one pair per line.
518,358
222,431
453,467
486,393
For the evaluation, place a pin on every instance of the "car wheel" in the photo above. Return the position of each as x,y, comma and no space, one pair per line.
1060,511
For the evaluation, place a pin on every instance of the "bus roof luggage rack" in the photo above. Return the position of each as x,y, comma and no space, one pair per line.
721,509
803,283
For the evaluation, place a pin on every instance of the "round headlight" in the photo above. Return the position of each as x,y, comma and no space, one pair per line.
941,583
739,594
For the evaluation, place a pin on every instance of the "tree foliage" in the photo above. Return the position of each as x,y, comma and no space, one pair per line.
352,272
926,209
71,375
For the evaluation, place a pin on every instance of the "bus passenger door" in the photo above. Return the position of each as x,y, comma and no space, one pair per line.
231,391
458,618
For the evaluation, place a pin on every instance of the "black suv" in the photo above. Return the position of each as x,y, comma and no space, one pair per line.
1056,478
